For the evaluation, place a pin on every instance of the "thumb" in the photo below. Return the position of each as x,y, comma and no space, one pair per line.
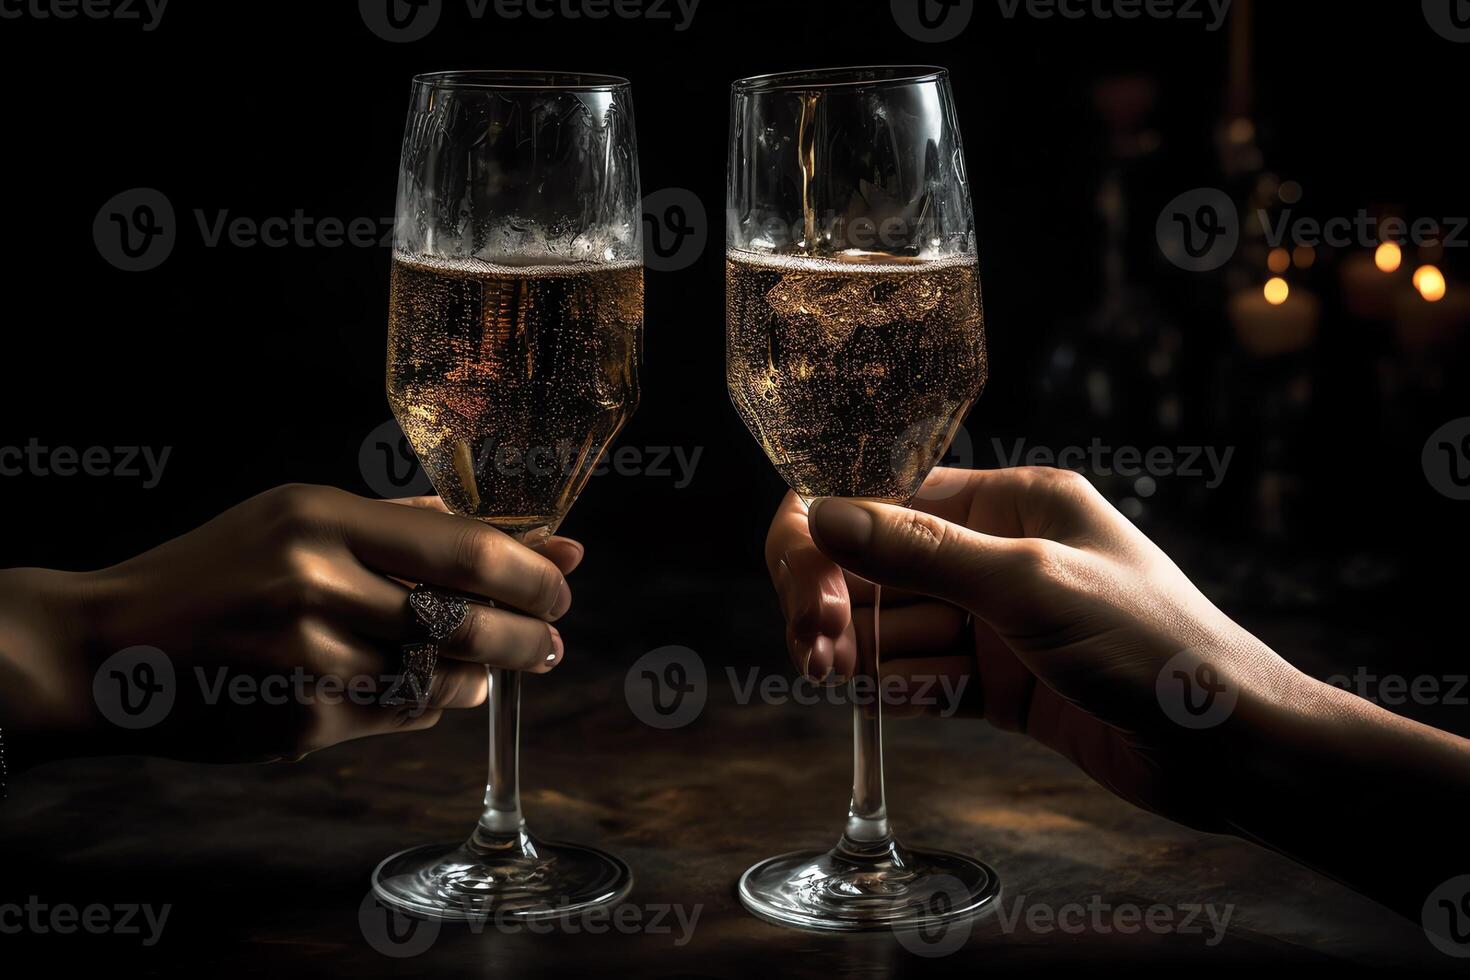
918,552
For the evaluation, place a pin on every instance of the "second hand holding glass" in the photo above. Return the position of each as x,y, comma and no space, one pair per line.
855,344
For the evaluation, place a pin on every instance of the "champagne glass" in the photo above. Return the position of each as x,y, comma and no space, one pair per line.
855,344
515,334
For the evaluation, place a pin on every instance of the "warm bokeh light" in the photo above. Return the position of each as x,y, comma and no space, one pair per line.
1304,256
1277,290
1430,283
1279,260
1388,257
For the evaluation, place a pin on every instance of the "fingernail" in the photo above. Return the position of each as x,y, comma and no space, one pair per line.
825,651
840,525
783,585
563,601
804,654
557,648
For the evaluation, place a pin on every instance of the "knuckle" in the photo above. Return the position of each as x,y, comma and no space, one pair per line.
1039,559
290,502
549,587
305,583
474,635
1057,479
916,532
476,552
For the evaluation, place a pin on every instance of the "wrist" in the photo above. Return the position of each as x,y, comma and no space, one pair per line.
1281,732
47,631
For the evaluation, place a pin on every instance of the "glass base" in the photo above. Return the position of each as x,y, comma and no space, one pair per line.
845,891
522,879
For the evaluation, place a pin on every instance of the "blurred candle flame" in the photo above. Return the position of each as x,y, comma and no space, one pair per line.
1276,290
1388,257
1279,260
1430,283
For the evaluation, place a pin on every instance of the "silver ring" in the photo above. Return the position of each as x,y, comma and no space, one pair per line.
439,613
416,679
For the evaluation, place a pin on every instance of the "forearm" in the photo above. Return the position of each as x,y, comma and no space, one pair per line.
45,702
1358,793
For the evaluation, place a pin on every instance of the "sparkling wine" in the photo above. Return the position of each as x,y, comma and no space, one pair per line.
854,371
509,380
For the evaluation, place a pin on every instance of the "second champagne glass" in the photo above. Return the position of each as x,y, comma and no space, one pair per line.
855,344
515,334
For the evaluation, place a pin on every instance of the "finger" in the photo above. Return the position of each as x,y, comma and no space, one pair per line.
378,607
420,545
455,684
813,594
565,553
1009,686
921,629
1022,502
789,535
426,503
500,638
922,553
347,722
941,687
363,671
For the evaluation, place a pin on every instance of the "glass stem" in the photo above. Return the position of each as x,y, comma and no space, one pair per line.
502,815
867,834
502,827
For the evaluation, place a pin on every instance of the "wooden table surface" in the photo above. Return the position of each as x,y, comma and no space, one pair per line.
266,868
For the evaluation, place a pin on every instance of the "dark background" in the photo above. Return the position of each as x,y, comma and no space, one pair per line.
261,366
